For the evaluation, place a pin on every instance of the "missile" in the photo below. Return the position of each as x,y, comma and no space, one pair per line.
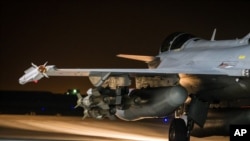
35,73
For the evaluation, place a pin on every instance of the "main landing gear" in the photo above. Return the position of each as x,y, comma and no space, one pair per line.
179,130
185,117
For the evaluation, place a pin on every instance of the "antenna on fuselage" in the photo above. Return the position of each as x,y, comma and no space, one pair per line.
213,36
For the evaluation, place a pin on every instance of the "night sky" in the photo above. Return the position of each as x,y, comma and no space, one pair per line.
89,34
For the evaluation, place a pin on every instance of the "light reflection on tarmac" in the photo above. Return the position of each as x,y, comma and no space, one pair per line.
27,127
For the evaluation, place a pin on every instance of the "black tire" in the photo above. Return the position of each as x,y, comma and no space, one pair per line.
178,130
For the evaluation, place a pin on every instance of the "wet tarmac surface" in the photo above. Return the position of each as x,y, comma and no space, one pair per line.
27,127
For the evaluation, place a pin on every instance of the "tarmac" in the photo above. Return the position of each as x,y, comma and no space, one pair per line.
37,127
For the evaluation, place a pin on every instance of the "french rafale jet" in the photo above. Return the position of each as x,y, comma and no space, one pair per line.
187,76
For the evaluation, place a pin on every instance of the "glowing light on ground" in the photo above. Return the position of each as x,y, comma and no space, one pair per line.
89,127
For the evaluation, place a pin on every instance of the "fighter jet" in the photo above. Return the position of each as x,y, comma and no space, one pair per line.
187,76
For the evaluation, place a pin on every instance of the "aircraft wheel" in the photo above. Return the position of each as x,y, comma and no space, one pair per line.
178,130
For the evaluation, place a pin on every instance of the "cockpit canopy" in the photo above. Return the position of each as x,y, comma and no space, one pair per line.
175,41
